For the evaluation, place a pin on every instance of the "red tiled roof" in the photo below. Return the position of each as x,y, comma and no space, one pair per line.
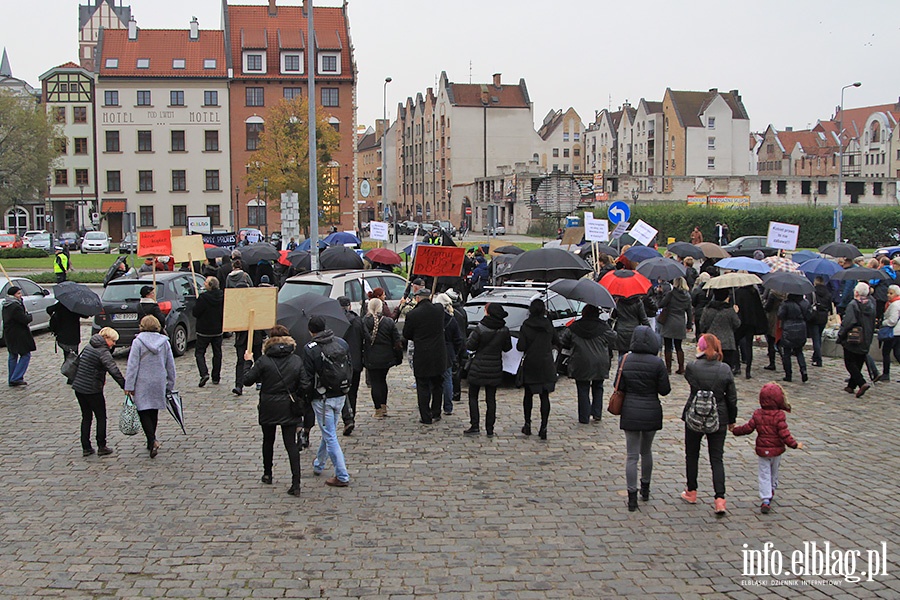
162,46
331,33
254,39
291,39
470,94
69,65
113,206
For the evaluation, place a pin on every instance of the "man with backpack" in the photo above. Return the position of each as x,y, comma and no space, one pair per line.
325,379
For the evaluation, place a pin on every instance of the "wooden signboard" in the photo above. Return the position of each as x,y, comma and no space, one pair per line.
188,248
439,261
248,309
155,243
572,237
495,243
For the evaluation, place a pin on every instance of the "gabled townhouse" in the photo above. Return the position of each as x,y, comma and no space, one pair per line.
625,140
92,17
562,145
601,149
647,159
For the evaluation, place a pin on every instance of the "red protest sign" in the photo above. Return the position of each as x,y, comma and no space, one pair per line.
155,243
439,261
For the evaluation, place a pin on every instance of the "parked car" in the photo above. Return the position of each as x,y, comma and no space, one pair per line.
10,240
747,245
175,295
446,226
95,241
496,230
889,251
425,229
353,283
128,244
407,227
36,299
69,240
44,241
26,238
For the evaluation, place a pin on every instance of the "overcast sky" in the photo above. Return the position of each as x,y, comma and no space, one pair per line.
788,58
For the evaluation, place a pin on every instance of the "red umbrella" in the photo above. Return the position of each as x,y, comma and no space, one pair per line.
626,283
383,256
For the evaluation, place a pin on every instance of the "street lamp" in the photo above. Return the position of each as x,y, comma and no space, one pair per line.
384,128
838,215
266,205
78,208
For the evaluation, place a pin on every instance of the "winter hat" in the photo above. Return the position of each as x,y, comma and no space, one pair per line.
264,279
344,301
316,324
772,393
443,300
13,290
145,291
721,294
495,310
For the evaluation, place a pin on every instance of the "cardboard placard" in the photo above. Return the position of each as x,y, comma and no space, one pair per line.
155,243
188,248
495,243
247,309
177,231
620,230
439,261
378,230
596,230
572,236
782,235
643,232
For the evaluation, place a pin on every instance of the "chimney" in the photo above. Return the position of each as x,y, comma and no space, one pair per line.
713,90
485,95
736,94
195,29
788,128
132,29
273,10
497,80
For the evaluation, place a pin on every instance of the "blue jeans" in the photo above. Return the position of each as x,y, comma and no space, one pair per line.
18,364
815,332
448,390
328,413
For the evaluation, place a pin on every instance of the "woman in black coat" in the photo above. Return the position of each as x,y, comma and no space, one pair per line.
678,320
822,308
793,314
94,363
382,349
489,340
537,337
629,314
17,335
589,339
279,371
643,380
708,372
753,322
66,327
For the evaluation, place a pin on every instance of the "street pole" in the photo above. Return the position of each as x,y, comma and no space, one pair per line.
266,205
78,209
384,128
839,215
311,129
235,222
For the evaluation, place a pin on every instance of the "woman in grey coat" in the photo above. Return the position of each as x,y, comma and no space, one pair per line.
720,318
629,314
149,358
679,319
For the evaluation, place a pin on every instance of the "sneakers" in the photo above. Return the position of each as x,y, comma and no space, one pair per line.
104,451
719,506
862,390
203,381
472,431
765,507
335,482
689,497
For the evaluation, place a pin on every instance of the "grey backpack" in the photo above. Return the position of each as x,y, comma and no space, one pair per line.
702,414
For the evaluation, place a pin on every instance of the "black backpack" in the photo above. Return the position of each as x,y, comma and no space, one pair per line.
337,369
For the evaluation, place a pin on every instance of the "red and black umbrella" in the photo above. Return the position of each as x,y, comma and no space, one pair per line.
383,256
625,283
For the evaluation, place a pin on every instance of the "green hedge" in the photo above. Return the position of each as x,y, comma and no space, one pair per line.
77,276
22,253
864,227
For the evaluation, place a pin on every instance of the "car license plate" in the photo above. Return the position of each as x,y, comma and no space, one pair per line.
124,317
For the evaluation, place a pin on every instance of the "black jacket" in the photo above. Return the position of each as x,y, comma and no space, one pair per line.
425,328
699,299
715,376
753,316
150,307
312,365
65,325
95,362
453,339
489,340
823,306
720,320
537,337
279,372
679,314
223,271
644,380
208,309
16,333
462,321
382,350
862,314
354,338
589,340
629,314
794,313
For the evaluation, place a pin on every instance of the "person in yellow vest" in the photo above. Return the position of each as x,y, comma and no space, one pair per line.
60,264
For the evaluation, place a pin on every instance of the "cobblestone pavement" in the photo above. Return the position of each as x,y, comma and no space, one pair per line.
430,513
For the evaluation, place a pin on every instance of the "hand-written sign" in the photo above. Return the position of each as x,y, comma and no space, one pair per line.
188,248
620,230
439,261
378,230
155,243
643,232
250,308
596,230
782,235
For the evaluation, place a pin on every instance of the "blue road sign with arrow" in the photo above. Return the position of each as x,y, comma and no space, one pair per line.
618,212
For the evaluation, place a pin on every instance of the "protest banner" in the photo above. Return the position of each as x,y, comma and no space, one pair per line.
572,236
187,249
782,235
643,232
439,261
155,243
596,230
221,240
620,230
378,230
248,309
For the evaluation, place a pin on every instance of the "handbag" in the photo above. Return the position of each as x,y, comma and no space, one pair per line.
663,316
520,373
298,409
70,365
615,399
129,421
885,333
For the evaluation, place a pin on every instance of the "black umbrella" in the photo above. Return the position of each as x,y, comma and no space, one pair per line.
837,249
503,263
584,290
684,249
788,283
217,252
660,268
78,298
296,312
299,259
509,250
339,257
859,274
253,253
176,408
548,264
586,250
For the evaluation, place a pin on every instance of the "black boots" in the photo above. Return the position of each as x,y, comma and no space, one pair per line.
526,428
632,501
645,491
542,432
668,358
680,355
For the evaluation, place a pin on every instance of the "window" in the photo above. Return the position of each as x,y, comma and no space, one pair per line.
178,141
59,114
209,63
212,141
145,182
61,177
565,153
253,62
877,188
556,153
179,180
211,98
711,122
765,186
576,136
711,162
146,216
81,146
62,145
576,151
781,186
805,187
255,96
290,63
711,143
110,98
143,98
79,114
81,177
112,63
292,92
256,215
330,97
143,63
565,136
177,63
214,213
113,181
145,141
112,141
176,98
179,215
212,181
253,131
329,63
823,188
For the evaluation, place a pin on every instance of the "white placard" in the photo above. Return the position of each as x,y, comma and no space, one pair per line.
643,233
378,230
620,230
596,230
588,216
782,235
199,225
511,360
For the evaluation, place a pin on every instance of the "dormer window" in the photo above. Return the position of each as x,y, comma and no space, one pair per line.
330,63
143,63
253,62
209,63
292,62
177,63
112,63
